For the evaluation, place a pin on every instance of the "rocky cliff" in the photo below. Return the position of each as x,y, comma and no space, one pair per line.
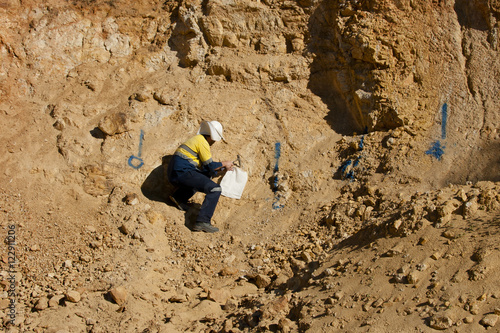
369,129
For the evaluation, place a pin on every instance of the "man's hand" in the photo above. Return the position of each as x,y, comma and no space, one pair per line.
226,165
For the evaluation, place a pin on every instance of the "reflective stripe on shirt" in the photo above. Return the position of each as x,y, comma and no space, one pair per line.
196,150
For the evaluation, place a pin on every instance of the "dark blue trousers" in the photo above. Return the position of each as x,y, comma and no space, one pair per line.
190,182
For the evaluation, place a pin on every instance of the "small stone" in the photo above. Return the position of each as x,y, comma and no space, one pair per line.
447,209
55,300
256,262
404,269
378,303
115,123
281,279
131,199
396,250
422,241
275,307
42,303
338,295
285,325
73,296
178,299
480,254
228,271
449,234
400,278
95,244
228,326
440,322
474,307
424,265
259,254
470,208
262,281
489,320
119,295
59,124
154,217
398,298
413,277
366,307
367,213
68,264
141,96
462,195
307,256
231,305
469,320
127,228
435,285
436,255
219,295
166,97
235,239
80,314
395,227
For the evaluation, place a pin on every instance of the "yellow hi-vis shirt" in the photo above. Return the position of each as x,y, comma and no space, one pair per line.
196,151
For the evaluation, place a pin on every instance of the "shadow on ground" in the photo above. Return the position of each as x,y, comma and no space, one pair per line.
157,188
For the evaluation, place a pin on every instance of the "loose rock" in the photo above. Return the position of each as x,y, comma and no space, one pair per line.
55,300
119,295
73,296
131,199
42,303
440,322
489,320
262,281
219,295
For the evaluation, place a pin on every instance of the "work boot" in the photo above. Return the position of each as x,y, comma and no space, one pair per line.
206,227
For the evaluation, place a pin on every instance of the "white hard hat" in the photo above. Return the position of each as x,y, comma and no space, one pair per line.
212,128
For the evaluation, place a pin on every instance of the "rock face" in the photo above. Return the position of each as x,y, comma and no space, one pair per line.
369,131
367,65
394,62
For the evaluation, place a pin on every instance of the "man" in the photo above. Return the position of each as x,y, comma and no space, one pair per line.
190,170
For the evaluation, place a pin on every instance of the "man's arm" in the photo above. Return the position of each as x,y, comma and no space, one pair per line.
227,165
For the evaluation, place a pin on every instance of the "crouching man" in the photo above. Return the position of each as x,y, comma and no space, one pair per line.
191,169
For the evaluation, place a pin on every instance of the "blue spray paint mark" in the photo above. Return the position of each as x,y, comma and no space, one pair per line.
347,169
444,119
344,166
277,154
277,196
437,149
361,142
138,157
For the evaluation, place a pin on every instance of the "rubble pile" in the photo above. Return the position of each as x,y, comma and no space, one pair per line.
368,129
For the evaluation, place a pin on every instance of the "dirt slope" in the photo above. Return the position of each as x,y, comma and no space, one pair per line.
369,131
